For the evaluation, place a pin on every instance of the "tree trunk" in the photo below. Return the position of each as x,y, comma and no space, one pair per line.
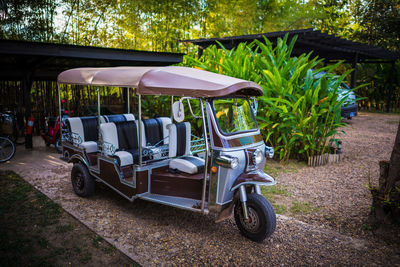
393,175
386,198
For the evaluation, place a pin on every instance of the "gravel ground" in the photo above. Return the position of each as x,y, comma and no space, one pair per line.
329,233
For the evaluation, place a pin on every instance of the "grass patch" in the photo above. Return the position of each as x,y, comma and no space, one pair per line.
276,195
301,207
64,228
35,231
280,209
275,168
270,191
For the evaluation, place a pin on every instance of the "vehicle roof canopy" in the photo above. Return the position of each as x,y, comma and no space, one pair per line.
172,80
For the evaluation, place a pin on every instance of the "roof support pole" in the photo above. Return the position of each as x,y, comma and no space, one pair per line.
354,73
391,81
98,114
203,195
128,101
140,128
172,112
26,87
60,113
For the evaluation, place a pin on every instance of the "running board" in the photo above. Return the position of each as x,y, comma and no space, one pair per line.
177,202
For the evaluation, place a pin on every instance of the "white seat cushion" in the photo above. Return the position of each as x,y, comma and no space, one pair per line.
77,128
109,134
165,122
179,139
188,164
89,146
125,158
129,117
143,132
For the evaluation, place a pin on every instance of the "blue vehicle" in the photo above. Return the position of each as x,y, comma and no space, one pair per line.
349,108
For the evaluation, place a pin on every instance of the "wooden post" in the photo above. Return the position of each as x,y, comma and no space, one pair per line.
391,81
354,73
26,87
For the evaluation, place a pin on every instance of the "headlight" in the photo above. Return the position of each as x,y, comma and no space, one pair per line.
227,161
234,163
269,152
257,156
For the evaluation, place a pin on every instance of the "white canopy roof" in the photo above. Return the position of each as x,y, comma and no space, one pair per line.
177,81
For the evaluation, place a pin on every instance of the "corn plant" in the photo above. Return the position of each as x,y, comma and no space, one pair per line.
299,113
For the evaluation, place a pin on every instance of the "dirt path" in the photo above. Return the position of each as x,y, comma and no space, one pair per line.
153,234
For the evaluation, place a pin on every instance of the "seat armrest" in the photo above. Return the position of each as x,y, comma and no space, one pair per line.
74,138
108,148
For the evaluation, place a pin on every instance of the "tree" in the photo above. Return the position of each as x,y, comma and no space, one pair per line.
379,23
386,198
28,20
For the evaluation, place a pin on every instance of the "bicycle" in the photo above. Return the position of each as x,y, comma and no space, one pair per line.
7,149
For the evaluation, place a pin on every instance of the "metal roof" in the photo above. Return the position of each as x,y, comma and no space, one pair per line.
44,61
324,45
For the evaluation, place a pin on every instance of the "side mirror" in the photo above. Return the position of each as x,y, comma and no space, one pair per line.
178,111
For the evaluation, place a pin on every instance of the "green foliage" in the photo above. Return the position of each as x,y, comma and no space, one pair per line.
377,78
299,113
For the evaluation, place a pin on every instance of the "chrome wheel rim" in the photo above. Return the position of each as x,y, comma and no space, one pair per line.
78,181
253,223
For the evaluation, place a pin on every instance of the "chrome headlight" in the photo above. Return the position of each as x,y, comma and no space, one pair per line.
227,161
269,152
257,156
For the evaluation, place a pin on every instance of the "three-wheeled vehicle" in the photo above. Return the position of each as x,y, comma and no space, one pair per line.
160,159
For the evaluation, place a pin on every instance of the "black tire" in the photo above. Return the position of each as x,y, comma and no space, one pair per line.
262,218
82,182
58,145
7,149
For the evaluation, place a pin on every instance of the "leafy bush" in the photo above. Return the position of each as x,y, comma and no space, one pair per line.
299,113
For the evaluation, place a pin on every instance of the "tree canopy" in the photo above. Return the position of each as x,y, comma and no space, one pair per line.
157,25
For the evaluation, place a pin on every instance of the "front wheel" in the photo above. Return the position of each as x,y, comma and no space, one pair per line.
262,218
7,149
82,182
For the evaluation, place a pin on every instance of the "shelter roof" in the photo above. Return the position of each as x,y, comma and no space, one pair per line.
324,45
44,61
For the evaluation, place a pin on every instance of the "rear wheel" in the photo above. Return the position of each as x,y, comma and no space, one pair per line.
262,219
7,149
82,182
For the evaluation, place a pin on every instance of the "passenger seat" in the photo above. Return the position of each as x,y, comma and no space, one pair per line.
179,146
123,135
86,128
156,131
119,117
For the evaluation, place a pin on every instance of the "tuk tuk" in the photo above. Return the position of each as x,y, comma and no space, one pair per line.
160,159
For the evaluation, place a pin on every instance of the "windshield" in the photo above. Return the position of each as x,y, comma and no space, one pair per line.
234,115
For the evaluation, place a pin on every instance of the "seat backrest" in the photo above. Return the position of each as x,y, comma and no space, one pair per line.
86,127
109,134
121,134
127,135
156,131
119,117
179,139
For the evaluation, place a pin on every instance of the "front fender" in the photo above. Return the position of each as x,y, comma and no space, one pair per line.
255,177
